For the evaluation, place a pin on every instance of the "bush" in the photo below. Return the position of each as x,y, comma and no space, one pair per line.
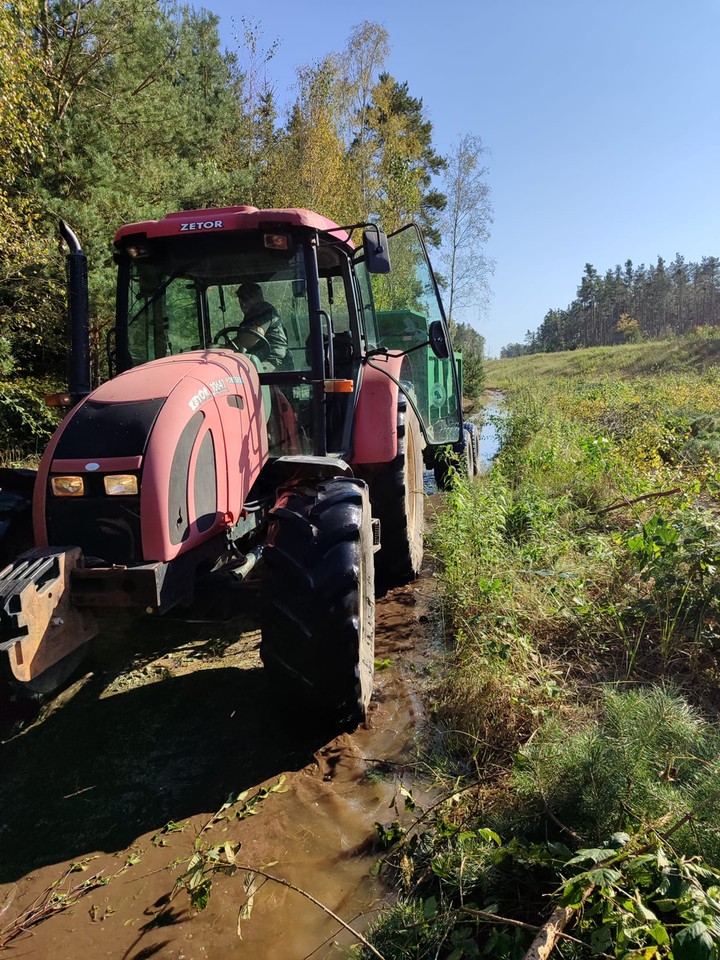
26,423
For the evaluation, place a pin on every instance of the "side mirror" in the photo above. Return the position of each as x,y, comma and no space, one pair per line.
438,341
376,250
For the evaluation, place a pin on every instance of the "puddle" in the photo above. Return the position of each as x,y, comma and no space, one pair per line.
488,419
125,751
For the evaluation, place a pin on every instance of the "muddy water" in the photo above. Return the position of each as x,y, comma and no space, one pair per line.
164,734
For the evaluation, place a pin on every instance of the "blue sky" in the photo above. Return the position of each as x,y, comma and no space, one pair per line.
600,120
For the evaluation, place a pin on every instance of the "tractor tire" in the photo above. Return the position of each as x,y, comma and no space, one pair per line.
318,620
397,496
443,473
463,464
468,455
476,450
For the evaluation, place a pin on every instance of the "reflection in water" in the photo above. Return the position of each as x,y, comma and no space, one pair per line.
487,422
489,439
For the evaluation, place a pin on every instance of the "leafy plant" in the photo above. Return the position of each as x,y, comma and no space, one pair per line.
588,555
59,896
677,556
640,898
209,860
205,863
26,423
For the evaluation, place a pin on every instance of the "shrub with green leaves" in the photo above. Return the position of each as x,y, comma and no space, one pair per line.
579,581
677,556
26,423
613,817
637,897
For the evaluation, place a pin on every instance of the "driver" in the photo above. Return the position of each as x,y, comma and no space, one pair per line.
261,319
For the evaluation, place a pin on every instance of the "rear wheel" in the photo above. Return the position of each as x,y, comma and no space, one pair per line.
448,463
476,449
318,627
397,496
468,454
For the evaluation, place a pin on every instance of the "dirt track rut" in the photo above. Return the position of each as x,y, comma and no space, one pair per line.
167,724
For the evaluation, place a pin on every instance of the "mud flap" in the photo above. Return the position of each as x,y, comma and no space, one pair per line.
39,625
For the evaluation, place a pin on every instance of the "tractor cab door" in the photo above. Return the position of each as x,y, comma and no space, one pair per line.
411,321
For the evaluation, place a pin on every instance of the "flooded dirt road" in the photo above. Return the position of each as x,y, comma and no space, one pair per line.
120,782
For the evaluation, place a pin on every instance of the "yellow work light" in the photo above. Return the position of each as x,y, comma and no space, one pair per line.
67,486
121,485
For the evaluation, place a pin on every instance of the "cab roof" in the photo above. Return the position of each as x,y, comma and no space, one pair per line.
226,219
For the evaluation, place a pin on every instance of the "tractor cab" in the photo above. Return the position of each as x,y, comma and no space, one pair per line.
285,292
289,289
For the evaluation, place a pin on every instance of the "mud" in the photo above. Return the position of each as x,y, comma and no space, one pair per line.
121,773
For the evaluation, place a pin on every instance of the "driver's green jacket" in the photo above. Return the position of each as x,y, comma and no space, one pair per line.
264,318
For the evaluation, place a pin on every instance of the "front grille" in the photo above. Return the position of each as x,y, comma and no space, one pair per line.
107,528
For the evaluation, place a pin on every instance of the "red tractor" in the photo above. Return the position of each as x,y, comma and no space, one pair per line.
266,403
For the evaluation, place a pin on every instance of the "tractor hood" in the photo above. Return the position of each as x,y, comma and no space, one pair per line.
190,428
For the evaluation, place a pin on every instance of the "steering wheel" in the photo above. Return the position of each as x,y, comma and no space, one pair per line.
228,335
225,335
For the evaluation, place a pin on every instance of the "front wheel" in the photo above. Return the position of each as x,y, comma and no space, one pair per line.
318,624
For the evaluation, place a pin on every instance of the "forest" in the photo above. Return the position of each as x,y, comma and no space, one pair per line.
629,304
114,111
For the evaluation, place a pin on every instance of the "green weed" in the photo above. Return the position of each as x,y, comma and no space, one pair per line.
586,559
26,423
613,818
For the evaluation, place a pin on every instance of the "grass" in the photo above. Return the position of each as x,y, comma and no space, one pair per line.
581,710
626,361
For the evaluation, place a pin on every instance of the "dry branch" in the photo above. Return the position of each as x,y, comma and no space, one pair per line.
544,943
510,922
309,896
51,901
629,503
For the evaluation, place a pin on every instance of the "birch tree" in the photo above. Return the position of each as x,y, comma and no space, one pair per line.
465,225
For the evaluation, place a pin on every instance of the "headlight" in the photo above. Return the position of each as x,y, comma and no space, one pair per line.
121,485
67,486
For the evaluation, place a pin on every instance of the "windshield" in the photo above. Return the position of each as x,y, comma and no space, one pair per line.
232,292
195,293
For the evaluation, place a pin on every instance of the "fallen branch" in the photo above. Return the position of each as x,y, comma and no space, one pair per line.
495,918
629,503
309,896
544,943
550,932
50,901
558,823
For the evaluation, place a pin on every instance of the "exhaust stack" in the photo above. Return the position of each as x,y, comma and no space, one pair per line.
78,316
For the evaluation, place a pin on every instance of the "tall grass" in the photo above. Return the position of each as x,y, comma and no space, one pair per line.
579,580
